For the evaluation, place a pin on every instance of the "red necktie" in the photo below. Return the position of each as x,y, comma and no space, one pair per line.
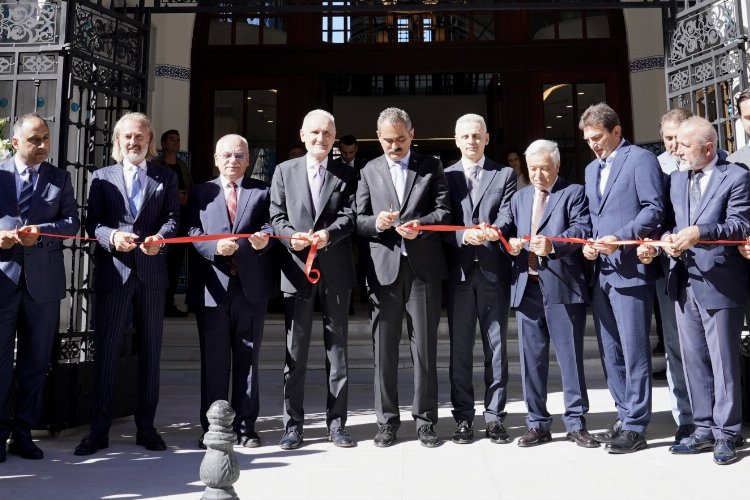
232,209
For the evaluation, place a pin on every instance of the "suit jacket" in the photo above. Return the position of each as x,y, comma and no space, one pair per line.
496,188
292,211
713,271
55,211
207,214
561,273
425,199
632,207
108,211
741,157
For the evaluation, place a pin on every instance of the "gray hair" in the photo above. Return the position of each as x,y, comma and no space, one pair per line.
135,117
543,147
318,112
472,118
599,114
394,116
228,137
676,116
22,121
704,131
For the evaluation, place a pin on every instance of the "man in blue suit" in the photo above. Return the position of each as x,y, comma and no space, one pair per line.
479,282
711,201
131,206
231,284
36,197
550,292
625,191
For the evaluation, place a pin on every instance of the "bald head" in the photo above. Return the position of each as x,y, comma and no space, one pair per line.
696,143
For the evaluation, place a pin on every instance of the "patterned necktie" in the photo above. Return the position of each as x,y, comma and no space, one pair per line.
474,182
536,217
27,194
136,193
232,209
695,194
317,186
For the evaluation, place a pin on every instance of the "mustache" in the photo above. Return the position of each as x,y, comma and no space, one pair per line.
396,150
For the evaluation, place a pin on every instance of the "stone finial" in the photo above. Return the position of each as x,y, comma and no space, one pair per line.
219,469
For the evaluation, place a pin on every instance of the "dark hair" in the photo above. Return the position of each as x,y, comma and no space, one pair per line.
23,118
168,133
599,114
348,140
744,96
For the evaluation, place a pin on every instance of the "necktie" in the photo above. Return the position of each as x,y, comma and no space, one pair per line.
27,194
136,193
602,180
695,194
399,181
317,186
232,209
536,216
474,183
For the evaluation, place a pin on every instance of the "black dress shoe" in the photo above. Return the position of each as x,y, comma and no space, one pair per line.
496,432
660,375
611,433
692,445
249,440
341,438
724,453
683,431
582,438
385,437
534,437
90,445
291,440
151,440
25,448
427,436
464,432
627,442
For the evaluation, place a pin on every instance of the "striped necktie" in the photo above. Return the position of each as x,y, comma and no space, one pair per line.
27,194
232,209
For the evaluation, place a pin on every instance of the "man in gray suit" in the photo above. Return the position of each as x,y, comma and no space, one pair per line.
711,201
132,205
312,200
479,283
37,198
396,192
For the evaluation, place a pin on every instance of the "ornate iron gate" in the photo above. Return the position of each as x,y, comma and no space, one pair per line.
81,64
706,63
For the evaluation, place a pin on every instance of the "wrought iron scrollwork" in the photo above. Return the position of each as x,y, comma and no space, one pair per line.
704,31
29,22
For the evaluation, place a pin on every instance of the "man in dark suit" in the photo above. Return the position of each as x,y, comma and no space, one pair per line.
710,201
130,202
625,191
550,293
397,191
479,282
231,284
348,148
36,197
312,200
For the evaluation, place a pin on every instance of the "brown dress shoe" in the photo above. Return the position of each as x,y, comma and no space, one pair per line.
534,437
582,438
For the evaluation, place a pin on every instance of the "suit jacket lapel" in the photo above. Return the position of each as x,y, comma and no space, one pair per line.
680,185
117,177
154,177
592,188
218,207
243,200
615,169
325,193
484,184
411,174
552,201
302,186
42,186
385,175
527,212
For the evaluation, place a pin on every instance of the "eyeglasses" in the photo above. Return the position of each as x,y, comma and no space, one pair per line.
228,156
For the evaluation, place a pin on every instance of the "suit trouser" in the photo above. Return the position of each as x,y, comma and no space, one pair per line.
622,317
111,313
478,298
563,324
35,324
678,394
421,302
230,338
298,316
710,341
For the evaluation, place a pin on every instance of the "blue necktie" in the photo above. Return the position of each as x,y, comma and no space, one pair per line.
695,194
27,194
136,193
